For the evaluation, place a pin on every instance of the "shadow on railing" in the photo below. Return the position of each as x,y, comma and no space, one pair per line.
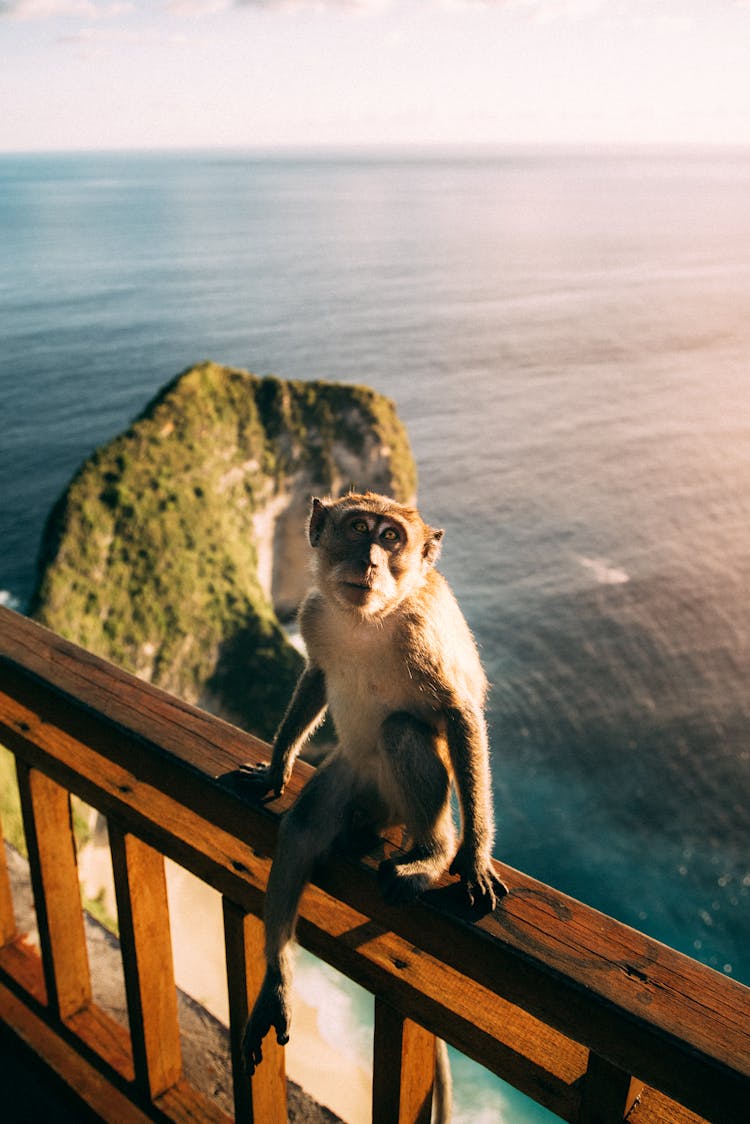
590,1018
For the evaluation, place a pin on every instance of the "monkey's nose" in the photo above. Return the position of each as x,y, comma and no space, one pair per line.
368,559
375,555
362,571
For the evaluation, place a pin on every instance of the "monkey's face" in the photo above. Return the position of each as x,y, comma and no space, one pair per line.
370,555
367,557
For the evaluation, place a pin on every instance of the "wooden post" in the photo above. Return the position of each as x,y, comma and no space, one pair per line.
403,1069
7,915
607,1093
262,1098
57,896
143,913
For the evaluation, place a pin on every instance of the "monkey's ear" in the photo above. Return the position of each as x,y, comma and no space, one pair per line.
432,544
318,518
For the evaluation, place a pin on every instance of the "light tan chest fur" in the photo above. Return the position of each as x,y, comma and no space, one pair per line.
366,678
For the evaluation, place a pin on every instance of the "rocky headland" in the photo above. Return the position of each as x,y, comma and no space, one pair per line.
180,546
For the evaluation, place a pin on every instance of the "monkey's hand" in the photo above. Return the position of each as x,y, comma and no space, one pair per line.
271,1010
483,887
263,778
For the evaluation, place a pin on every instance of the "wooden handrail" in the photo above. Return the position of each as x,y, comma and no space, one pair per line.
589,1017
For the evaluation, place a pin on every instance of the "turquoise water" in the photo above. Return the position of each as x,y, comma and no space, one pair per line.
566,336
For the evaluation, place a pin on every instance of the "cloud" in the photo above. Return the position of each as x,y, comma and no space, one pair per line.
192,8
540,11
47,9
198,7
351,5
98,40
187,9
546,11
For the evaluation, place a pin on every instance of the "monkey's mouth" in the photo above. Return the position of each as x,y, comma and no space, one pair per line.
360,587
358,593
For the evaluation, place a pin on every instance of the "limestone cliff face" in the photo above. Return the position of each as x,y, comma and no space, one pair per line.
178,545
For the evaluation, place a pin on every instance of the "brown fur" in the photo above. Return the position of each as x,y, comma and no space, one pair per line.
392,658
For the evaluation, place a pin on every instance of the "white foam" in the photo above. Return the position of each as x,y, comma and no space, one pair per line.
294,636
479,1097
495,1113
8,600
604,572
342,1022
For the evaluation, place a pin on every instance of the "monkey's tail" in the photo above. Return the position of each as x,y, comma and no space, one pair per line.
442,1097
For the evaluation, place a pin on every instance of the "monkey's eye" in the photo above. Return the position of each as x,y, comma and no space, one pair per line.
360,526
390,534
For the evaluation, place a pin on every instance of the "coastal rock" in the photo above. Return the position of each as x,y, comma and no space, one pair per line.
179,545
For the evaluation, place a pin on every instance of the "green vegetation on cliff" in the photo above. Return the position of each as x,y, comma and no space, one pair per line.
151,558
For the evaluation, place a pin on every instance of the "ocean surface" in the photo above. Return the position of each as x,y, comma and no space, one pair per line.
567,338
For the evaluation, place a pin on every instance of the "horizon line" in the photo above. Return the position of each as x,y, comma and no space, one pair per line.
399,149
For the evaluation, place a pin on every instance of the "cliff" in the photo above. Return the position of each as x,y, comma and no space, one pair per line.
178,546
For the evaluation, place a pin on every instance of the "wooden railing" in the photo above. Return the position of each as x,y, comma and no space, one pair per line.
588,1017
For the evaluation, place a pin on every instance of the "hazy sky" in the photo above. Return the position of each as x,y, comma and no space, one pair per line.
184,73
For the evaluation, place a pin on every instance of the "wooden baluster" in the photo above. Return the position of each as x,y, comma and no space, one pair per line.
607,1093
143,913
7,916
53,865
262,1099
403,1069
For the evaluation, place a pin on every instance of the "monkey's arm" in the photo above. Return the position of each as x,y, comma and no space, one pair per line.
467,743
303,715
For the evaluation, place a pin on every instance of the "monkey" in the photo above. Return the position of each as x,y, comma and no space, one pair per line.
392,658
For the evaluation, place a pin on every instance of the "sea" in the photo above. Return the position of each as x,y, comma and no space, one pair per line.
566,334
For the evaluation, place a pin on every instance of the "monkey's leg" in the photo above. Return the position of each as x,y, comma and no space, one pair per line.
421,796
306,832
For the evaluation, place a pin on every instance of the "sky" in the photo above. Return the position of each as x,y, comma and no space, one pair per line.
112,74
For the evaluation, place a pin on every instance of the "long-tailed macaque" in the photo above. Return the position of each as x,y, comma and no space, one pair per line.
391,656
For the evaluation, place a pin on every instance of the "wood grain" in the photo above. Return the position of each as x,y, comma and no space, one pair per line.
53,865
143,913
403,1068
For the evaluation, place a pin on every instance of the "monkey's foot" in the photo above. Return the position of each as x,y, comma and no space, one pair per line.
483,887
261,778
271,1010
401,886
